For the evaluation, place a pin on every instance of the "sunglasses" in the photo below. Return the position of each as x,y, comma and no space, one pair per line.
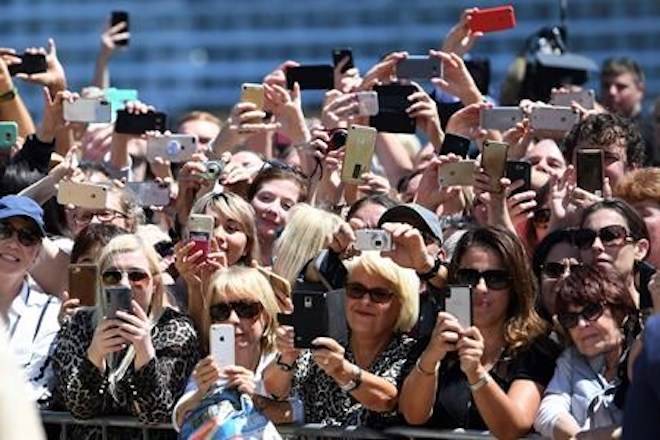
614,235
274,163
590,312
555,269
495,279
26,236
376,295
244,310
112,277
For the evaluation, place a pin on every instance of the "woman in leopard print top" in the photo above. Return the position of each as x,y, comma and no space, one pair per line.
136,364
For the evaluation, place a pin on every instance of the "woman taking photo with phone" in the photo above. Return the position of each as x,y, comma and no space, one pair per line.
490,375
129,355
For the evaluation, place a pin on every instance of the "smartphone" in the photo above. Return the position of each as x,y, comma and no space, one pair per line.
493,161
8,134
519,170
455,144
645,272
119,97
253,93
552,118
319,77
315,314
222,345
493,19
500,118
117,17
118,298
589,164
360,146
200,232
83,283
90,110
392,105
84,195
459,173
419,67
339,54
30,63
174,147
367,103
373,240
128,123
458,302
586,98
150,193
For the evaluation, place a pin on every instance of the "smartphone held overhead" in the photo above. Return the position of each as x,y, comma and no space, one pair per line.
360,147
494,19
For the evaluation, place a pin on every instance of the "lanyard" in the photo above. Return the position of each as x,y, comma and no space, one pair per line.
18,318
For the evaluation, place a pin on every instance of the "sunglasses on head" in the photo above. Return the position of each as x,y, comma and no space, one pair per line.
495,279
112,277
590,312
555,269
26,236
613,235
376,295
244,309
274,163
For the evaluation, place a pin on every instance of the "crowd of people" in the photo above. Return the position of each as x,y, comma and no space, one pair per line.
561,333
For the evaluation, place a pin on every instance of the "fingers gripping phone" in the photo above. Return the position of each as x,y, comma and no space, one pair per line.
118,298
222,344
117,17
8,135
392,105
30,63
458,302
519,170
493,19
200,232
373,240
83,283
339,54
590,170
420,67
493,161
88,110
360,146
253,93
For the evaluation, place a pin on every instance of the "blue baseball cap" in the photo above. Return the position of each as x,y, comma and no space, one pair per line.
20,206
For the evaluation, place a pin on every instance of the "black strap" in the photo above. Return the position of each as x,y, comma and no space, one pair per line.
41,317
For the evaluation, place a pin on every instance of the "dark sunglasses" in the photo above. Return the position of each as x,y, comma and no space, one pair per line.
112,277
26,236
274,163
541,216
590,312
613,235
244,310
495,279
377,295
555,269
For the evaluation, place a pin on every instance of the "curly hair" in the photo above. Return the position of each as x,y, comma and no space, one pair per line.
605,129
640,185
523,324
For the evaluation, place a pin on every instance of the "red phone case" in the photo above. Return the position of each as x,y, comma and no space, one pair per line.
493,19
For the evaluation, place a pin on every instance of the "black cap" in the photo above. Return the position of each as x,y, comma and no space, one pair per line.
415,215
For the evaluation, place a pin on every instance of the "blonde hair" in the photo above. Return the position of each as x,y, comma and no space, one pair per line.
236,208
303,238
247,283
404,283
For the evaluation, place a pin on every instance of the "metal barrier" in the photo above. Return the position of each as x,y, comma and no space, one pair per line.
307,431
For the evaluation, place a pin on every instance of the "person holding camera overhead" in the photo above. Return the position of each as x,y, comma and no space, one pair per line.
129,355
489,375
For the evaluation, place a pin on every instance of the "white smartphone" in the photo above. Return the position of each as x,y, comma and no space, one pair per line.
89,110
373,240
221,341
458,302
586,98
553,118
367,103
84,195
174,147
500,118
200,231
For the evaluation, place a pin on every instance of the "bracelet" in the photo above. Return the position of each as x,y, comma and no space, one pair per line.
9,95
418,366
431,272
483,380
282,365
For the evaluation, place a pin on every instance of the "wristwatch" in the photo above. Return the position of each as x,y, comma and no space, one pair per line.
353,383
432,272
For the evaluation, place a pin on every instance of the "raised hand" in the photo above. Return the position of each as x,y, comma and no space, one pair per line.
54,77
287,108
425,111
460,38
111,35
456,78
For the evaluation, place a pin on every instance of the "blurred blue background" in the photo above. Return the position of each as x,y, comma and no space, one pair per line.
194,54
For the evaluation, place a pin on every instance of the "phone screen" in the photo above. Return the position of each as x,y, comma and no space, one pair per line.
590,170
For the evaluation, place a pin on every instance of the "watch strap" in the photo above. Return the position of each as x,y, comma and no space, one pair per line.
431,273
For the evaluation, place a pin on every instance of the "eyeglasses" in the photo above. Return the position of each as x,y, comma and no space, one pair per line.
377,295
26,236
555,269
112,277
495,279
102,216
541,216
614,235
244,310
590,312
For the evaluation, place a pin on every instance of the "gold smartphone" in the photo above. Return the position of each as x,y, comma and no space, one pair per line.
493,161
459,173
253,93
360,146
84,195
83,282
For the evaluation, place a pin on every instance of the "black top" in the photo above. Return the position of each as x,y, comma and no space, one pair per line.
454,406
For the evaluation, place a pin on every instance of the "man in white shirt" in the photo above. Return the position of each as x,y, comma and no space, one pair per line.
30,315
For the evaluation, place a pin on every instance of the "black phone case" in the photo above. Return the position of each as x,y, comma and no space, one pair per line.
392,103
517,170
455,144
589,171
311,77
128,123
30,63
340,54
116,18
118,298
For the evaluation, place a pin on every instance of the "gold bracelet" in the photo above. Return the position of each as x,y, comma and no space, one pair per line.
419,368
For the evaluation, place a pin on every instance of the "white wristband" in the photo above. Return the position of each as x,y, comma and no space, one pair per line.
483,380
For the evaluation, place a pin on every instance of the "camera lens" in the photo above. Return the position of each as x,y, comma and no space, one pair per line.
338,139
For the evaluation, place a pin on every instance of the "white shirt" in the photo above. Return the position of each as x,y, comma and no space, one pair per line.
32,326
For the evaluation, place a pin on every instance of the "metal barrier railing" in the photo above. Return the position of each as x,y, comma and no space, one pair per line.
306,431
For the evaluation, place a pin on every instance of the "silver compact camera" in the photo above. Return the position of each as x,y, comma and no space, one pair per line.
373,240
